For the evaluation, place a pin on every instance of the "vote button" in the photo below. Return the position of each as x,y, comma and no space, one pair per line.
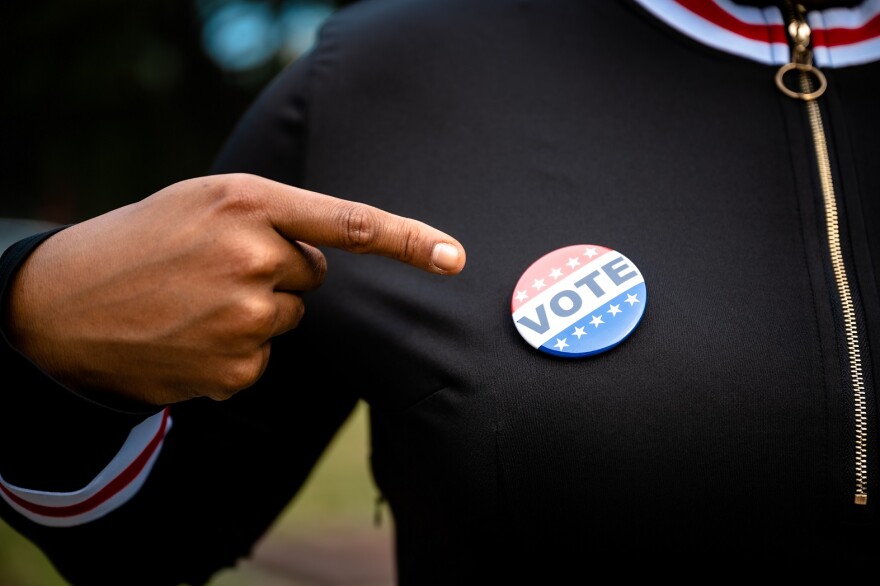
579,301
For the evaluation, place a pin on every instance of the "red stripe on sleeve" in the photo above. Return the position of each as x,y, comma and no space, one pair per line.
113,487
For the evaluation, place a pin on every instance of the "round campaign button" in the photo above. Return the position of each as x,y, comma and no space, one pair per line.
578,301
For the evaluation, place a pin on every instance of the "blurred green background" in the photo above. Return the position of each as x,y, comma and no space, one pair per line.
107,102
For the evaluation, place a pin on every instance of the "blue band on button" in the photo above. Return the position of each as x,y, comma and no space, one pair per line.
579,301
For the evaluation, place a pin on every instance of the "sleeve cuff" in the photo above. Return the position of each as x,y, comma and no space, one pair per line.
120,480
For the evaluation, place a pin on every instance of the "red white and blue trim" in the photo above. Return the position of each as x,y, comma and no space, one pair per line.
842,37
111,488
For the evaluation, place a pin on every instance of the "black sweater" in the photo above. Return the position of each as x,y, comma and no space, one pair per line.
732,425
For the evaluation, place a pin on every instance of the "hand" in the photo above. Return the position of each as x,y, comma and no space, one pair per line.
179,295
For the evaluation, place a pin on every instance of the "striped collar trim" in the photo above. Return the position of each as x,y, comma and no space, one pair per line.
841,36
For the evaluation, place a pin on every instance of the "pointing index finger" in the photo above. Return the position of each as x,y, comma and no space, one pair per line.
324,220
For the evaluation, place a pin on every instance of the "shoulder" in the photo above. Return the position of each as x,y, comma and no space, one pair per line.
365,18
398,29
422,32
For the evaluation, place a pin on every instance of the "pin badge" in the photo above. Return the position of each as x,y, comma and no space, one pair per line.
578,301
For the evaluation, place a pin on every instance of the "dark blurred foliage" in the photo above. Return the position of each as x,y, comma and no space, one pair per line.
106,102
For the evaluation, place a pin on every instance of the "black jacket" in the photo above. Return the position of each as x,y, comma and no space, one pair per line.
737,423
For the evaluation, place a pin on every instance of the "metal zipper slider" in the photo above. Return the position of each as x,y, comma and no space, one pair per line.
801,59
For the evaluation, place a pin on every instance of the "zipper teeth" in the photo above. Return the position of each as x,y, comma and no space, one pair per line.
843,289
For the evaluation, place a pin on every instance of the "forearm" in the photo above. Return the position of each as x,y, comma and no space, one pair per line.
54,439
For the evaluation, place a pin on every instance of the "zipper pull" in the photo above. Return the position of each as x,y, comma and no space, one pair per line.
799,34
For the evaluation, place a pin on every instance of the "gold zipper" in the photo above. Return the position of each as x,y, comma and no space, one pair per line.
802,62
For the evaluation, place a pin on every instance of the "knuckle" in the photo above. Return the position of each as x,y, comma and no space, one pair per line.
239,378
241,374
248,258
238,192
359,227
259,314
410,238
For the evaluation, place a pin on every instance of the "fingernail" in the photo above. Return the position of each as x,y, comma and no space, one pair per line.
445,256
